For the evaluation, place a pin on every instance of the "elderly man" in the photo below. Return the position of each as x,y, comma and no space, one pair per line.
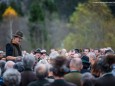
41,71
75,67
9,64
28,75
11,77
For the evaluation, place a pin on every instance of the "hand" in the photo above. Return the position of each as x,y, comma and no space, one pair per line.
18,58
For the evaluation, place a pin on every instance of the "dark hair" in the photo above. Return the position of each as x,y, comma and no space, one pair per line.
59,66
104,66
95,69
85,65
60,71
19,66
87,49
2,64
60,60
97,49
77,50
110,59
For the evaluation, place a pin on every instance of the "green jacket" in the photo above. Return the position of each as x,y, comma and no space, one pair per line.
73,77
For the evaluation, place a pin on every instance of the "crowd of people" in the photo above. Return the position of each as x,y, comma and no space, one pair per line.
76,67
87,67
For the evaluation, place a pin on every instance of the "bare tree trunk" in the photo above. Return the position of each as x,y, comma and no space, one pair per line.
11,31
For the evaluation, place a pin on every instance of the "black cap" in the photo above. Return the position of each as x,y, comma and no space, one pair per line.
37,51
85,59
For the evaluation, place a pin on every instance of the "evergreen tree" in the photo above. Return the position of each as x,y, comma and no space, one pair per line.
40,10
3,6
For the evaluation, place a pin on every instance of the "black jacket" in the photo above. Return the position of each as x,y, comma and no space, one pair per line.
106,80
60,82
27,76
13,50
39,82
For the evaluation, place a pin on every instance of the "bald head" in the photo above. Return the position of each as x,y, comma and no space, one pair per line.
76,64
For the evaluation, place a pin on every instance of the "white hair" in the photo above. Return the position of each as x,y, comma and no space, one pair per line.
9,64
28,61
92,55
11,77
53,54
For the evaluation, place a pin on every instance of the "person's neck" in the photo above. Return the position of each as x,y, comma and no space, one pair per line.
74,69
14,43
56,77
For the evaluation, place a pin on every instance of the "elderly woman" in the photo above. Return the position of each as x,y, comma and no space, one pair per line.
92,58
11,77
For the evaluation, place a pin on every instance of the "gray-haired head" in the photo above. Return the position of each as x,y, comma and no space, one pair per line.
109,52
92,55
53,54
87,76
41,71
9,64
11,77
87,79
28,61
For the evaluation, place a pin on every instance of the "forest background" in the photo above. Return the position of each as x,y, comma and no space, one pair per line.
58,23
